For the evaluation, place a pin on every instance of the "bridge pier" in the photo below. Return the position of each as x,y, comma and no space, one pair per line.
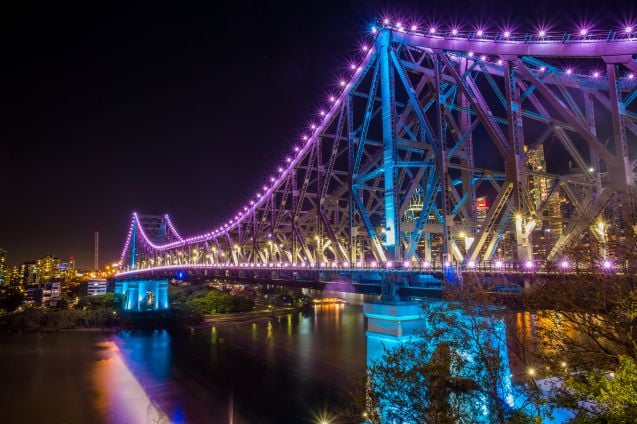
389,324
143,295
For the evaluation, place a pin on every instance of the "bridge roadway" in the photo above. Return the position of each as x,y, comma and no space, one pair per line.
412,279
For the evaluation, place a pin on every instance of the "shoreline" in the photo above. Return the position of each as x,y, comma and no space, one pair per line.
243,317
208,320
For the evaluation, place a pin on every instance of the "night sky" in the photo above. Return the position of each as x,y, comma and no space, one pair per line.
181,109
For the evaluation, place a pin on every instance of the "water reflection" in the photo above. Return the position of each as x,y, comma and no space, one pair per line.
282,369
119,395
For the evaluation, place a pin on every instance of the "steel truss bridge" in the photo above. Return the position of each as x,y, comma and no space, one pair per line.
440,150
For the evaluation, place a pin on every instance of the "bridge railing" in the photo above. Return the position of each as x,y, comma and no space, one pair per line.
494,266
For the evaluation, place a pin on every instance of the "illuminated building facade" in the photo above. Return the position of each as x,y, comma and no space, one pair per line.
97,286
28,273
44,295
49,268
4,271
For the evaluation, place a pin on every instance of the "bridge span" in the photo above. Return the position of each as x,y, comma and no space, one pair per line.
438,152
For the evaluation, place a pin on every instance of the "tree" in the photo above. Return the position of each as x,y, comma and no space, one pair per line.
216,302
603,397
456,370
102,301
11,299
587,343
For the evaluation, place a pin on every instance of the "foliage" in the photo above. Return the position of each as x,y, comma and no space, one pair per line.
216,302
107,300
587,322
454,371
11,299
587,332
603,397
182,294
40,319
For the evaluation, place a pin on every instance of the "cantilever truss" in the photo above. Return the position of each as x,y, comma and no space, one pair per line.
437,123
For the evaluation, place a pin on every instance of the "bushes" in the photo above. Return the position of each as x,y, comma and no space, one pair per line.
216,302
107,300
38,319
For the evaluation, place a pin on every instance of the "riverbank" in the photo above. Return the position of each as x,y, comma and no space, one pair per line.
242,317
97,320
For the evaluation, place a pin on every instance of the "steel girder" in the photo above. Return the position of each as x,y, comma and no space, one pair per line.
395,170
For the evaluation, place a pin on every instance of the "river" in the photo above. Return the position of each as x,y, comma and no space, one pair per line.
288,369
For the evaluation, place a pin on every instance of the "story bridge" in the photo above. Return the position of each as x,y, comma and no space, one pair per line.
439,152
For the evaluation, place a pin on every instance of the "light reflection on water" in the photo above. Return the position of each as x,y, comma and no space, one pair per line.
281,369
278,370
120,397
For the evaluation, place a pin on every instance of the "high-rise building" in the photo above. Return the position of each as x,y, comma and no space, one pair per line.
482,207
4,270
28,273
49,268
66,270
550,229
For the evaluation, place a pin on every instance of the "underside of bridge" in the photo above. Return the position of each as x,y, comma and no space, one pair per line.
443,150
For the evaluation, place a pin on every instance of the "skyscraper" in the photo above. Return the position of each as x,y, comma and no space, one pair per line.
4,272
49,268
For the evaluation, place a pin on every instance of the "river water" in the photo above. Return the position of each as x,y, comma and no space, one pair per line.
288,369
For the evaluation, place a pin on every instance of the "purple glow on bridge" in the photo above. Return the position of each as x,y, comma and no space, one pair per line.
282,207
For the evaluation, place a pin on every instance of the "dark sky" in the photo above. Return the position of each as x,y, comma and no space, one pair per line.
179,109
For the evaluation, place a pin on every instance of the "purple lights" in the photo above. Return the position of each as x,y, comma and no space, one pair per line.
490,47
